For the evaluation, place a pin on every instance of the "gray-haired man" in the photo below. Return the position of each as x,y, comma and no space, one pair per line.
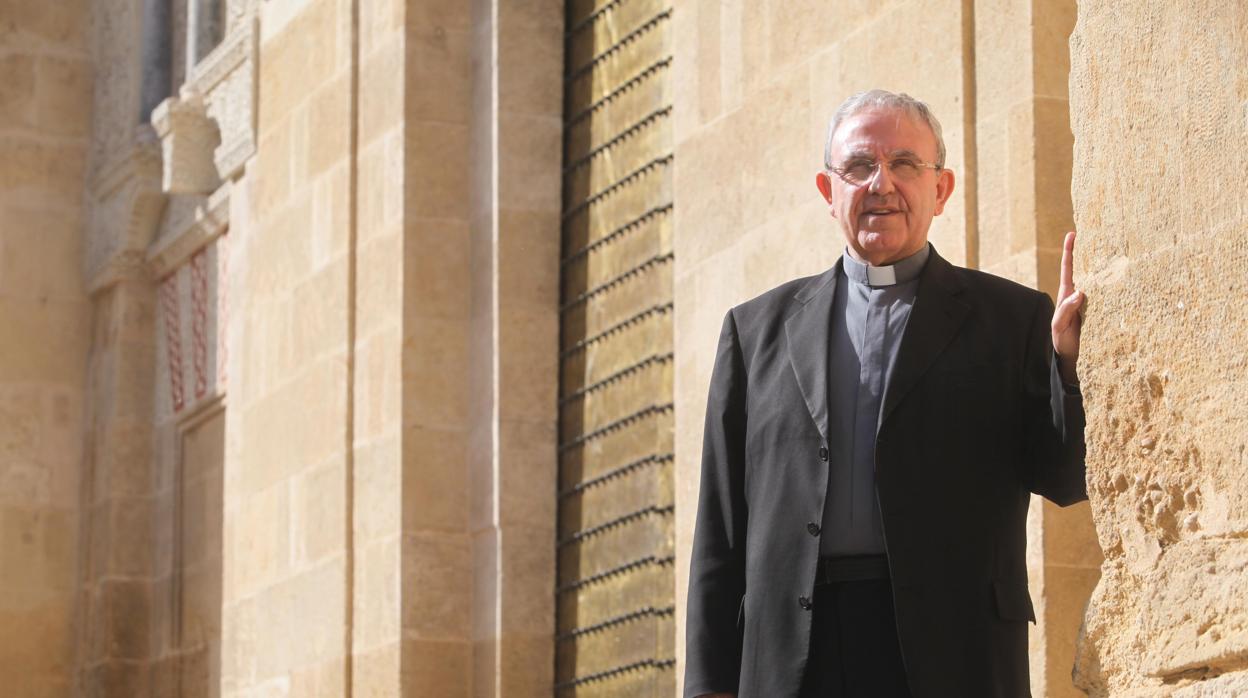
873,434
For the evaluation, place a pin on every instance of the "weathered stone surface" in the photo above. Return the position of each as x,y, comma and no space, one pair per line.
1163,254
45,334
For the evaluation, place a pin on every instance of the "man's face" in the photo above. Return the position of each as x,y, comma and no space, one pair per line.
887,217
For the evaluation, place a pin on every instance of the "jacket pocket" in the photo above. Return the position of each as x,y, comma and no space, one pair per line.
1013,601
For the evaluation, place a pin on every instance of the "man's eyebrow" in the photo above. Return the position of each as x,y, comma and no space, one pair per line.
904,153
866,154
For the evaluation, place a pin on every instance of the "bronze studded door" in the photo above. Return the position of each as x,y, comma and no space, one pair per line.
616,588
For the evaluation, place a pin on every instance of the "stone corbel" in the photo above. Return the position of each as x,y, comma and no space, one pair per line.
187,139
226,78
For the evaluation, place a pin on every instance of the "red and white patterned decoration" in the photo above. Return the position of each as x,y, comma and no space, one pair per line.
199,320
223,268
173,337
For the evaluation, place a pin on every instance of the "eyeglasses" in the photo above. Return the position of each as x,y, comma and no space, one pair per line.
859,171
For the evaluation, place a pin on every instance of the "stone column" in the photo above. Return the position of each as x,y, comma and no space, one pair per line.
1159,109
119,591
516,136
437,285
117,613
45,335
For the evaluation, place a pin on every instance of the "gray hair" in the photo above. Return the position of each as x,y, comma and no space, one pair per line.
876,99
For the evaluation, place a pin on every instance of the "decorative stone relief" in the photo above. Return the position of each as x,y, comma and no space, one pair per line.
125,204
227,79
237,13
191,223
192,315
207,134
208,131
189,257
187,138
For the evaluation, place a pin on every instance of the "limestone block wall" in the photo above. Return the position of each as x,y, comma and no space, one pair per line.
390,430
45,317
286,564
1159,94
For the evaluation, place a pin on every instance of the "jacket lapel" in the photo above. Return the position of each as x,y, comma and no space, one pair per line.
937,315
807,331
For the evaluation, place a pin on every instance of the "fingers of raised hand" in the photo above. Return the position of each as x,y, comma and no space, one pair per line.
1068,311
1066,284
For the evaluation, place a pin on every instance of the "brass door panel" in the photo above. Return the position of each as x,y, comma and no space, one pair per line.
616,588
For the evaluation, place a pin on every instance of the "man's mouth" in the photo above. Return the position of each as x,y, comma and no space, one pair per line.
880,212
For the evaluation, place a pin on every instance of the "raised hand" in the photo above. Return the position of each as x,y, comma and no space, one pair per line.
1068,315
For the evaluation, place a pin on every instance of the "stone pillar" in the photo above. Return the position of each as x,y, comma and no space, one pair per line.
515,137
1023,179
45,319
1159,109
118,613
371,122
119,590
437,286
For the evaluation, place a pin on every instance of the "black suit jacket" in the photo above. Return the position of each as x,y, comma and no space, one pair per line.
974,419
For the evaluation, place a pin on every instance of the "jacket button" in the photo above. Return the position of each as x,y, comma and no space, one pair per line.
804,603
823,453
812,528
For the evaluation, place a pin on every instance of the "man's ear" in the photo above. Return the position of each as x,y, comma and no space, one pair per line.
824,182
944,189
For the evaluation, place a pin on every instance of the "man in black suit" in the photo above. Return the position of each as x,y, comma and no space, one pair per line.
872,438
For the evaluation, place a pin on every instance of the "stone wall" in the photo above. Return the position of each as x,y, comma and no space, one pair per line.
287,594
392,416
1159,105
45,329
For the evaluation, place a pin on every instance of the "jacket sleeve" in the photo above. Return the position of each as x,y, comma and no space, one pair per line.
1053,419
717,566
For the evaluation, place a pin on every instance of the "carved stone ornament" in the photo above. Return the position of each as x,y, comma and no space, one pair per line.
190,224
126,204
187,139
226,78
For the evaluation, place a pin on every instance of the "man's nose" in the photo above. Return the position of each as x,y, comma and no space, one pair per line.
881,181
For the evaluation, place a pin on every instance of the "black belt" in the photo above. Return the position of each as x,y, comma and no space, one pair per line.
851,568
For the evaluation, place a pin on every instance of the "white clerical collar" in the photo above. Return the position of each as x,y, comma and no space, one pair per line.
899,272
881,276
